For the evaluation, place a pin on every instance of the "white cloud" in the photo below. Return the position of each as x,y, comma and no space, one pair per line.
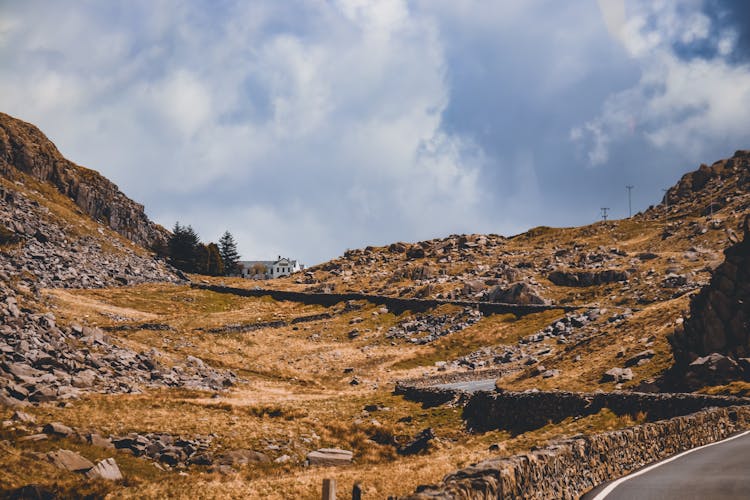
277,121
678,103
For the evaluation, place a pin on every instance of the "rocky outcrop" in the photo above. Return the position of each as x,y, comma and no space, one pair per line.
587,278
24,148
520,293
689,187
719,322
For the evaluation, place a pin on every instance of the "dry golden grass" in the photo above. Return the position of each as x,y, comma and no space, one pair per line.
296,395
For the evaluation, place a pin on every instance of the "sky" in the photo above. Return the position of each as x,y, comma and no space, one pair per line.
308,127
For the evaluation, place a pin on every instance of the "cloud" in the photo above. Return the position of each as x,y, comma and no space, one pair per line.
307,127
679,102
315,131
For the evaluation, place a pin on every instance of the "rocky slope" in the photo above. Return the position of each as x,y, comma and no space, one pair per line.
665,251
633,279
46,250
57,230
25,149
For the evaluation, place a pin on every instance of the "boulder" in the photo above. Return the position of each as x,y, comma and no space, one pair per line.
58,429
97,440
22,417
330,456
69,460
519,293
640,358
617,375
415,252
419,444
106,469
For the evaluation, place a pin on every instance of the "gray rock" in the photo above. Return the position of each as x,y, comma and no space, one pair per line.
617,375
25,418
97,440
637,359
107,469
69,460
58,429
330,456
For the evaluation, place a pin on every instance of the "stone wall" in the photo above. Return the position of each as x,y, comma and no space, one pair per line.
394,304
523,411
450,378
568,468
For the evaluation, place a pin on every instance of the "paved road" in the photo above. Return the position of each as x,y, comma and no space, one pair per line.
718,471
487,384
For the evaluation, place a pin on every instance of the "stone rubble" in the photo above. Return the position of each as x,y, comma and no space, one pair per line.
426,328
48,255
41,361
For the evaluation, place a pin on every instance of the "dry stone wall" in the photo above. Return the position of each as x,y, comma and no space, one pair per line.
524,411
394,304
568,468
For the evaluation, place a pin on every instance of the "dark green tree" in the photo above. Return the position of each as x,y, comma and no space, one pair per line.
215,263
228,251
183,247
200,259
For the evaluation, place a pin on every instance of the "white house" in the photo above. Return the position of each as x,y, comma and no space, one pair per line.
282,266
255,269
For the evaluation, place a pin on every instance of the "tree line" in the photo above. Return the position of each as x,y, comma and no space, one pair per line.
185,251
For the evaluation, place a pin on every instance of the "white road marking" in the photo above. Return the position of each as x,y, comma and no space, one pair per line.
606,491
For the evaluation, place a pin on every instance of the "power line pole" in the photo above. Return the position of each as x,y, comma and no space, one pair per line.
630,203
604,213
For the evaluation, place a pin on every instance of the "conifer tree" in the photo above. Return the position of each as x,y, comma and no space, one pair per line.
183,246
215,263
228,251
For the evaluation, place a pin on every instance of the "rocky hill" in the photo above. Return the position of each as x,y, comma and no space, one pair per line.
152,369
64,226
667,250
633,279
25,149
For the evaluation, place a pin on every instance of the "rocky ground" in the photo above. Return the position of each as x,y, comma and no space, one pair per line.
42,251
46,242
41,361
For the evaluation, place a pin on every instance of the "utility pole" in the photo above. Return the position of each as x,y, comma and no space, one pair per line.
604,213
630,203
